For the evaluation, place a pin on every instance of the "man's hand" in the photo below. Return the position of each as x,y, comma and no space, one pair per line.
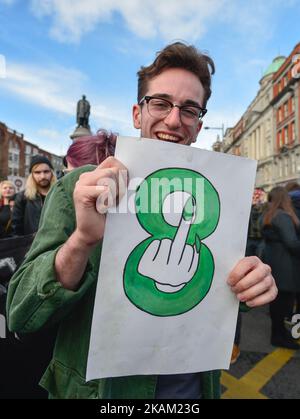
94,193
252,282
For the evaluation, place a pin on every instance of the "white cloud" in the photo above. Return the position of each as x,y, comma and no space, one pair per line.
169,18
58,90
49,88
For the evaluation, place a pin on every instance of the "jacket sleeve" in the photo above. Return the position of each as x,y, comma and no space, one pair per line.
35,297
285,227
18,215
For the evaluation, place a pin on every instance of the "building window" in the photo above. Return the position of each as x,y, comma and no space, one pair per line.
286,135
293,132
292,104
293,165
286,166
279,114
286,110
27,160
280,139
280,168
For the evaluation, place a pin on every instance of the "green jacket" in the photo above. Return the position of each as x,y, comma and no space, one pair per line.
36,299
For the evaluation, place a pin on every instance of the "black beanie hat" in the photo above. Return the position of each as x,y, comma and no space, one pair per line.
38,159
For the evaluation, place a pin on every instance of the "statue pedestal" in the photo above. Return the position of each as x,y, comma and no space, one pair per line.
80,132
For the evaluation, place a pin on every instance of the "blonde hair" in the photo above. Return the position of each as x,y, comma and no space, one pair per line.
6,182
31,188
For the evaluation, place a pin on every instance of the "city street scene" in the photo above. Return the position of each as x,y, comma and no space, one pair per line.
149,202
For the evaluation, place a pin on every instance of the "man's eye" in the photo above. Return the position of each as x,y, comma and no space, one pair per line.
190,112
160,104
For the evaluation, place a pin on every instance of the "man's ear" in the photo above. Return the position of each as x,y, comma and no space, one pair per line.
137,116
200,124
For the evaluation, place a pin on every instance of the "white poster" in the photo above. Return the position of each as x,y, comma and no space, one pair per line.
162,304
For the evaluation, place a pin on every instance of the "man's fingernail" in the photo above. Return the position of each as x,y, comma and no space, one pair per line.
198,244
189,210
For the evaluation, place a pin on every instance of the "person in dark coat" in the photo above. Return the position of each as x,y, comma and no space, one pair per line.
29,203
7,193
293,189
282,252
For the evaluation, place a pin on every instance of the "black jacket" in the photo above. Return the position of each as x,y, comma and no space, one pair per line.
282,252
26,214
5,221
295,197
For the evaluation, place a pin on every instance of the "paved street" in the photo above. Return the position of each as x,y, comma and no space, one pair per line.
262,371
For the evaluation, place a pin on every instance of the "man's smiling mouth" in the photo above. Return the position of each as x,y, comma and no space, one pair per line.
168,137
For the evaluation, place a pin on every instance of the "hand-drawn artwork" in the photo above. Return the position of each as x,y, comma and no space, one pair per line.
171,271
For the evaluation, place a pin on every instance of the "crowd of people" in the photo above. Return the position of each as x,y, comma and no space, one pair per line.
274,237
53,290
28,356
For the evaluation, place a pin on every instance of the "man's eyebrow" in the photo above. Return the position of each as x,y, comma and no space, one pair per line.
169,97
192,102
162,95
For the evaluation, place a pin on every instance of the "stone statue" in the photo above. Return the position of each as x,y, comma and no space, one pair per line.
83,113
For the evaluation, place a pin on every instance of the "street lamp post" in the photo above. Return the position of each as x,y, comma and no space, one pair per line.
218,128
217,146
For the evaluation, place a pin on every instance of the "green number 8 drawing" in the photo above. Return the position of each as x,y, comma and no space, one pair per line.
171,271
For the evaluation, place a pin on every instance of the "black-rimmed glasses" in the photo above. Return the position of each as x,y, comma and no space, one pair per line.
160,108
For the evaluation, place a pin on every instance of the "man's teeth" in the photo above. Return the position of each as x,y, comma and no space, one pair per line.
167,137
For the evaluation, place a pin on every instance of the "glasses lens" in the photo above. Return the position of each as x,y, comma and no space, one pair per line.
159,108
190,114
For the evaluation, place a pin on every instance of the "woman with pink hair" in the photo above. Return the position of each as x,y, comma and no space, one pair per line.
91,149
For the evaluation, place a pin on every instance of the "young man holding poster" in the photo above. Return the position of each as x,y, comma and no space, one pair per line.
57,281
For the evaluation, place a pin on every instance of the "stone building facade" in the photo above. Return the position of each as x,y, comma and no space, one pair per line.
269,130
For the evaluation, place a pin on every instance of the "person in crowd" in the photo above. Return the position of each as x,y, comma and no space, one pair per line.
282,252
293,189
254,247
29,203
7,194
57,281
90,150
33,353
254,238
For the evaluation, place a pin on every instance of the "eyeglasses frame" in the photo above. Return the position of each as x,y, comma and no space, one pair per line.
147,99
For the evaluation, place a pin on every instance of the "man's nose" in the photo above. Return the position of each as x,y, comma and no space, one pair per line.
173,119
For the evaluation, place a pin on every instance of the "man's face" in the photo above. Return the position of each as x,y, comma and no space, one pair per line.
180,87
42,175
